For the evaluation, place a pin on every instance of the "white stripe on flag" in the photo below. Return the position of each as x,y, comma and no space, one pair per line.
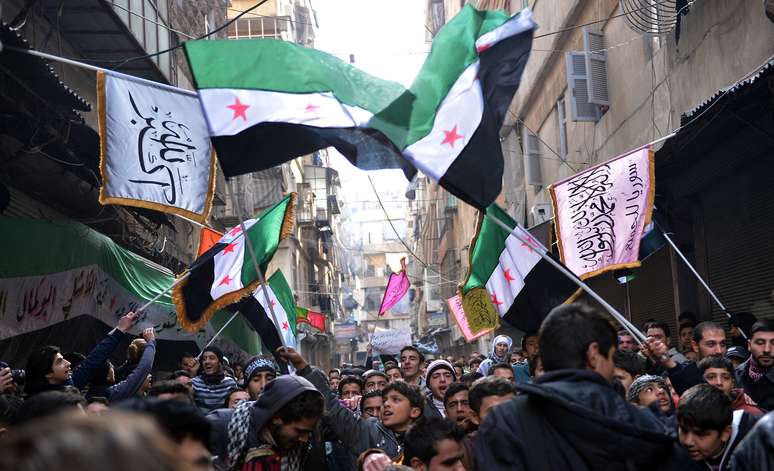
456,119
517,24
228,269
279,311
231,111
518,260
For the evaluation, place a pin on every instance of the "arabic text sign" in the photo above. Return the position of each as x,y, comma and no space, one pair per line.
155,148
33,302
600,213
390,341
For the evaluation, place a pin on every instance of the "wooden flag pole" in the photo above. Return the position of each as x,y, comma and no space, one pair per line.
696,274
258,271
638,336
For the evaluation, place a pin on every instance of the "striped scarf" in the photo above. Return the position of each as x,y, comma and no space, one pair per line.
238,428
756,371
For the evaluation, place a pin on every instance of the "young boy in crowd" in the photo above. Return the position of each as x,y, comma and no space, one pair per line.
719,372
434,444
402,406
708,428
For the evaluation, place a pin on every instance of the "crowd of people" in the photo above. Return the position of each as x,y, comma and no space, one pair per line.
577,395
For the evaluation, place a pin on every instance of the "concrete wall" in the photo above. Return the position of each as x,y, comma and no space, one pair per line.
651,80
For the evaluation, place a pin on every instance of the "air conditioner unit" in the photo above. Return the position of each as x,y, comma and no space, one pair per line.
541,212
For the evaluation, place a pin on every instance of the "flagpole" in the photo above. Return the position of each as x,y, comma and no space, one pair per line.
638,336
83,65
158,296
218,333
696,274
258,271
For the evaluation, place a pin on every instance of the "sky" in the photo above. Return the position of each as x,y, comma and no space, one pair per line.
387,39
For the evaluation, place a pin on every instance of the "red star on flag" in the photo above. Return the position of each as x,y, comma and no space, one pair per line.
229,248
310,108
495,301
508,276
285,326
531,244
239,109
226,280
451,136
272,303
236,230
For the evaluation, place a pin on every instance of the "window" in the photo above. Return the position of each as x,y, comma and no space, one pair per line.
259,27
562,118
531,149
587,78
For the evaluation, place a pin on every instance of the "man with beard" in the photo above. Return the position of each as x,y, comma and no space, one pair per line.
258,373
756,375
410,360
572,417
440,374
272,433
212,385
501,353
709,339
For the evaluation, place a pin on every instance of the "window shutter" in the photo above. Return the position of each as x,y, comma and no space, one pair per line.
581,108
531,148
596,66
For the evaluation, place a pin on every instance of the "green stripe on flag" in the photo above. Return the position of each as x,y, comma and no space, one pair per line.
265,235
238,331
281,66
279,285
453,51
57,246
489,244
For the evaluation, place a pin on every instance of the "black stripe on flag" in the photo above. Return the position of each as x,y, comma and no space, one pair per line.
476,175
259,320
545,287
271,144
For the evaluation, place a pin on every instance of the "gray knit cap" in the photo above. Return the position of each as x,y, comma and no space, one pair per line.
641,383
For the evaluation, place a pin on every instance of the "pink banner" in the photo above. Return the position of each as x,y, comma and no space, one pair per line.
600,214
397,287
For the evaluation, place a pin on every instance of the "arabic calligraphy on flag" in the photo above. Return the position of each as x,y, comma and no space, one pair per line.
155,150
600,213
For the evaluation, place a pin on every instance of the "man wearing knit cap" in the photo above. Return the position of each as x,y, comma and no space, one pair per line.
440,374
212,385
258,372
648,389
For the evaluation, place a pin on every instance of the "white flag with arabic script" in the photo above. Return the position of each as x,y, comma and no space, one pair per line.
601,212
155,150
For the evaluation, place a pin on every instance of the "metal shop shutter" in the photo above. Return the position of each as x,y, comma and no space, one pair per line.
739,235
651,293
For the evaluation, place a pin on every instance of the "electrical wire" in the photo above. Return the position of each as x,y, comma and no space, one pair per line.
422,262
122,62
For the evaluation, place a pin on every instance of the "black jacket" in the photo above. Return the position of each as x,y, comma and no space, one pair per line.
684,376
574,420
761,391
756,451
357,435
